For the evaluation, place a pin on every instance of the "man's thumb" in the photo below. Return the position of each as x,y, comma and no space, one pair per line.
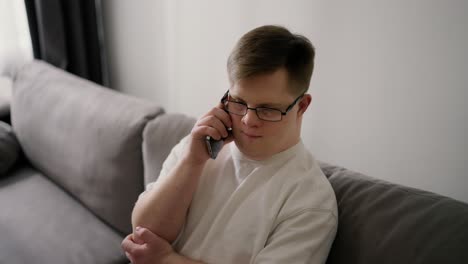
137,236
143,235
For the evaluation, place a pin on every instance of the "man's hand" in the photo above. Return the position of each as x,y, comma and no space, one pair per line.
145,247
213,124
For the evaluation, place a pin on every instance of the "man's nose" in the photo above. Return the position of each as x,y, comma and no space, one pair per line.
251,118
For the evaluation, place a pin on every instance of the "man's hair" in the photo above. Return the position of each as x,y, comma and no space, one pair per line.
268,48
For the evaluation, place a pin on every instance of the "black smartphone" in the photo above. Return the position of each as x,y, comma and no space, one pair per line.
215,146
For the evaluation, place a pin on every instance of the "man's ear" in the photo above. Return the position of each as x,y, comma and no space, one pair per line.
304,104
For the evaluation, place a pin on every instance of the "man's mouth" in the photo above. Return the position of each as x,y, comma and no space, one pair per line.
250,135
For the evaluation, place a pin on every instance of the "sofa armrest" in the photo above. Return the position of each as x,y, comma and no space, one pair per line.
382,222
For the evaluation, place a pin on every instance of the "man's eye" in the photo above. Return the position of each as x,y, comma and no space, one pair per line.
268,112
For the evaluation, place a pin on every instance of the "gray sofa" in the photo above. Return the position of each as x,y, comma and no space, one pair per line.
77,155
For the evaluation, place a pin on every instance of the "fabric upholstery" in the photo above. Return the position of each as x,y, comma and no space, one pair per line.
159,137
381,222
4,108
41,223
9,148
83,136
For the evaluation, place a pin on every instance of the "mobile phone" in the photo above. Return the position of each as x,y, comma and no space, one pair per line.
215,146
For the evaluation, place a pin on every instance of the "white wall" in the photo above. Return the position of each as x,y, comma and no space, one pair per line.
389,88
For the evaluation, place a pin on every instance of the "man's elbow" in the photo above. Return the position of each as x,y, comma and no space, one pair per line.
138,216
141,218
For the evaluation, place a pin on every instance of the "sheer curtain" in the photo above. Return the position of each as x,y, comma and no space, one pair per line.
15,47
15,42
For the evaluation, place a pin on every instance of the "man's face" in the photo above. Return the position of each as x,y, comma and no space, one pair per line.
259,139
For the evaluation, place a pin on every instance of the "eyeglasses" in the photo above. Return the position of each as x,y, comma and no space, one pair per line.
263,113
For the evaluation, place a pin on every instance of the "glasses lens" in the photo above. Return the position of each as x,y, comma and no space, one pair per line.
236,108
269,114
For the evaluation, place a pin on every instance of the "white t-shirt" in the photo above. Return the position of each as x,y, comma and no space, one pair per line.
279,210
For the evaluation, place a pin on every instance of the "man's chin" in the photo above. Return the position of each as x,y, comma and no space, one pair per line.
252,151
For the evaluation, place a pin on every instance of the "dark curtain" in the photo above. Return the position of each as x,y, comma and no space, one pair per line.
69,35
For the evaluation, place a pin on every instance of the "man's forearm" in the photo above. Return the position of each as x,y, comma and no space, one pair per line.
164,208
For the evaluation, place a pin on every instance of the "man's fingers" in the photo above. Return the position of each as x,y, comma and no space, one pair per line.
215,123
153,250
137,239
221,114
224,116
145,235
131,247
125,241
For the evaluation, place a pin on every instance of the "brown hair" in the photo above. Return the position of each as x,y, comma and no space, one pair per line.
268,48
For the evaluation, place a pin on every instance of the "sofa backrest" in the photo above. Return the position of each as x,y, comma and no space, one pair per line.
84,137
159,137
381,222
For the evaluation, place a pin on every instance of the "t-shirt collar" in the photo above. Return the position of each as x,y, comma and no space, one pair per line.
278,157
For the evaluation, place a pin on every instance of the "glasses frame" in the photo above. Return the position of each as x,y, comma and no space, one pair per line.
225,99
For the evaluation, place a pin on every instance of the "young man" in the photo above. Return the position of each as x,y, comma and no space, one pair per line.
264,198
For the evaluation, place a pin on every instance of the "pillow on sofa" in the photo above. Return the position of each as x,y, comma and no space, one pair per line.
85,137
9,148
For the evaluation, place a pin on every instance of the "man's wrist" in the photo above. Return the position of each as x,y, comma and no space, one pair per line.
193,162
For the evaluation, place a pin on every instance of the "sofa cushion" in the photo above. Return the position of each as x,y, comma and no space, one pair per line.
41,223
159,137
9,148
381,222
84,137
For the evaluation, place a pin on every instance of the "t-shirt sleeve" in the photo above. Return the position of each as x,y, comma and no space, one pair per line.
303,237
